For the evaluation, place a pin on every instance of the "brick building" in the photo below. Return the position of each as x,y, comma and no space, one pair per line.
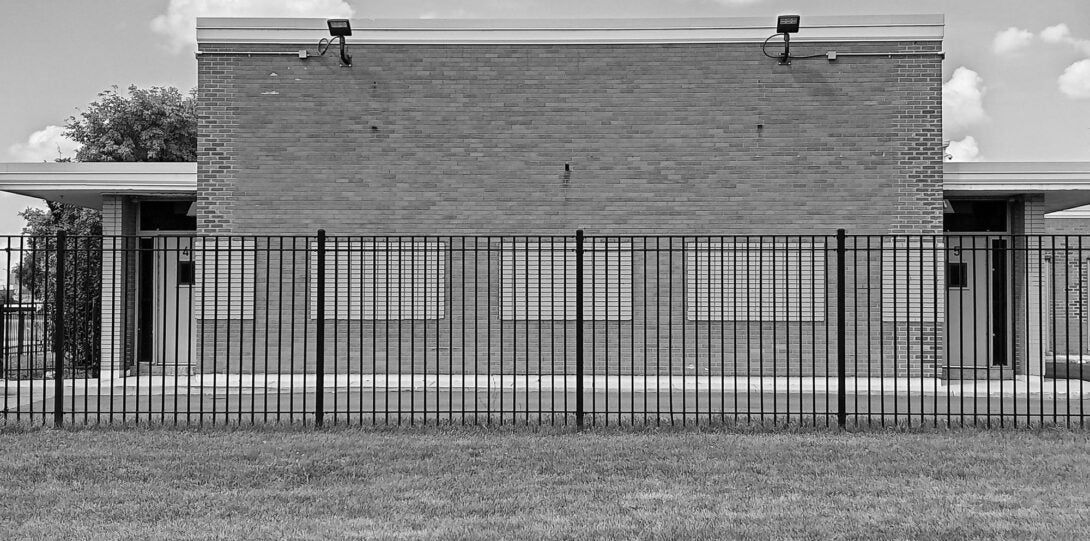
1065,290
679,146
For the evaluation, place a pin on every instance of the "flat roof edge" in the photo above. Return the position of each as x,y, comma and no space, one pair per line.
927,27
1024,176
1077,213
1016,167
812,21
102,177
96,168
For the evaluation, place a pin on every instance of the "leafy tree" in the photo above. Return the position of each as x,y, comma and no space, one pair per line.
149,125
61,217
37,273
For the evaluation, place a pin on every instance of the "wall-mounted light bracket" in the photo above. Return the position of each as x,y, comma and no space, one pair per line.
787,25
338,29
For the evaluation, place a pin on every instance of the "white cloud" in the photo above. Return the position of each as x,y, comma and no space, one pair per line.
962,100
44,145
965,150
1061,34
1056,34
1075,81
179,22
1011,40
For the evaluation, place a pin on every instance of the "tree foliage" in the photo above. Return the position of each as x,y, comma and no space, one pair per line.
37,274
157,124
71,219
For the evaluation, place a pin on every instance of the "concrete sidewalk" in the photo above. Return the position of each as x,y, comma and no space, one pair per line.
1021,386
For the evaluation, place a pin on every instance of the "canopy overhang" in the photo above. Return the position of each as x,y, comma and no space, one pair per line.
85,184
1064,185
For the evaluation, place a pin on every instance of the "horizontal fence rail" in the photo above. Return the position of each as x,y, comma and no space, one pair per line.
815,330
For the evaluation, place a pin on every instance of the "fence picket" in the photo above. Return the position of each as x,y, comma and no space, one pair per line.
732,329
58,331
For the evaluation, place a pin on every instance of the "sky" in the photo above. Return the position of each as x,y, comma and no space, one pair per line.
1016,75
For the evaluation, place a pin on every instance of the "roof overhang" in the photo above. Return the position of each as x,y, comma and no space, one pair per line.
84,184
1064,185
571,31
1077,213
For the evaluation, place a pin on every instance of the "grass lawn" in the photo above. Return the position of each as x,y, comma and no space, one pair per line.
447,483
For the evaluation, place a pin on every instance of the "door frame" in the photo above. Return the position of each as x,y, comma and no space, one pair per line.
146,258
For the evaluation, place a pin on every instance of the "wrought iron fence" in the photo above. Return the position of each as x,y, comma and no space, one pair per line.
825,330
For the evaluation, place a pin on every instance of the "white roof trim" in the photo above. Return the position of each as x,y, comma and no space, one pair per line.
1021,176
1080,213
1064,185
85,183
570,31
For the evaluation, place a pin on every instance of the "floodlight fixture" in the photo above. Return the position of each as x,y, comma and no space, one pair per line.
338,29
787,24
341,27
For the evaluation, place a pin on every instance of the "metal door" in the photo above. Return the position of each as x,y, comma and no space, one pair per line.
172,281
977,301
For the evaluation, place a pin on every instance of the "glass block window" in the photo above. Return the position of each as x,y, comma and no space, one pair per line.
224,274
538,280
756,281
381,280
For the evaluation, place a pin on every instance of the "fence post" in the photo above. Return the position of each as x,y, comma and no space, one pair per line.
579,328
319,341
841,378
58,335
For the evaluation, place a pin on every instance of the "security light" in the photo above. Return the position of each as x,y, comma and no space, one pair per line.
341,27
785,24
338,29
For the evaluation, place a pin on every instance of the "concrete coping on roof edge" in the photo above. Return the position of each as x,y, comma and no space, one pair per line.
926,27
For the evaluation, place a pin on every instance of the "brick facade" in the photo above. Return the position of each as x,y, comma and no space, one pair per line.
666,139
118,281
1066,251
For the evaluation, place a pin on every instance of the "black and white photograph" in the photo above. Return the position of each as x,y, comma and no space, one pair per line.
544,269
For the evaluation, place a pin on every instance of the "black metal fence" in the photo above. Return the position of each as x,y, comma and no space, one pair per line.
825,330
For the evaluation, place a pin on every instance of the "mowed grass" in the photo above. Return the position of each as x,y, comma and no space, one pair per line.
439,483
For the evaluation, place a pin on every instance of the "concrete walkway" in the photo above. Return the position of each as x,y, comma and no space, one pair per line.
244,384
